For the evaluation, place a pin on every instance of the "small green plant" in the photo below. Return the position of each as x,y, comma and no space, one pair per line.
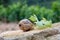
41,24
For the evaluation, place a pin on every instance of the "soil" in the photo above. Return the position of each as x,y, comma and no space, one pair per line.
8,26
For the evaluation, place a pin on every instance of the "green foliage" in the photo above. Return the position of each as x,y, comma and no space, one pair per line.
33,18
13,11
46,13
41,24
22,12
56,9
2,12
32,10
42,13
18,11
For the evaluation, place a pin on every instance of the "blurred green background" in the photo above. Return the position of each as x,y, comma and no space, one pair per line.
15,10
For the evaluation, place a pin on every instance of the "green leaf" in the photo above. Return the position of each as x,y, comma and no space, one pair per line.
43,24
33,18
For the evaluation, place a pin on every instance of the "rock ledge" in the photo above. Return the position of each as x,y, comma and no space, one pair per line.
46,34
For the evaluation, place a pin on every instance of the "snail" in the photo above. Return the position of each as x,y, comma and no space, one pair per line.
26,25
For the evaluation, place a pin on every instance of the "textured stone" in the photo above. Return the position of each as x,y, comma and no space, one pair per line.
55,37
46,34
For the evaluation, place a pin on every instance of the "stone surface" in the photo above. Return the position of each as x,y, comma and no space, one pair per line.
46,34
55,37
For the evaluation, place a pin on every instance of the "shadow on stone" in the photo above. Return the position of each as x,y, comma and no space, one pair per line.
1,38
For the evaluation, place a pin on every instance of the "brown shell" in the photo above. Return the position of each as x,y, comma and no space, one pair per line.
25,25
